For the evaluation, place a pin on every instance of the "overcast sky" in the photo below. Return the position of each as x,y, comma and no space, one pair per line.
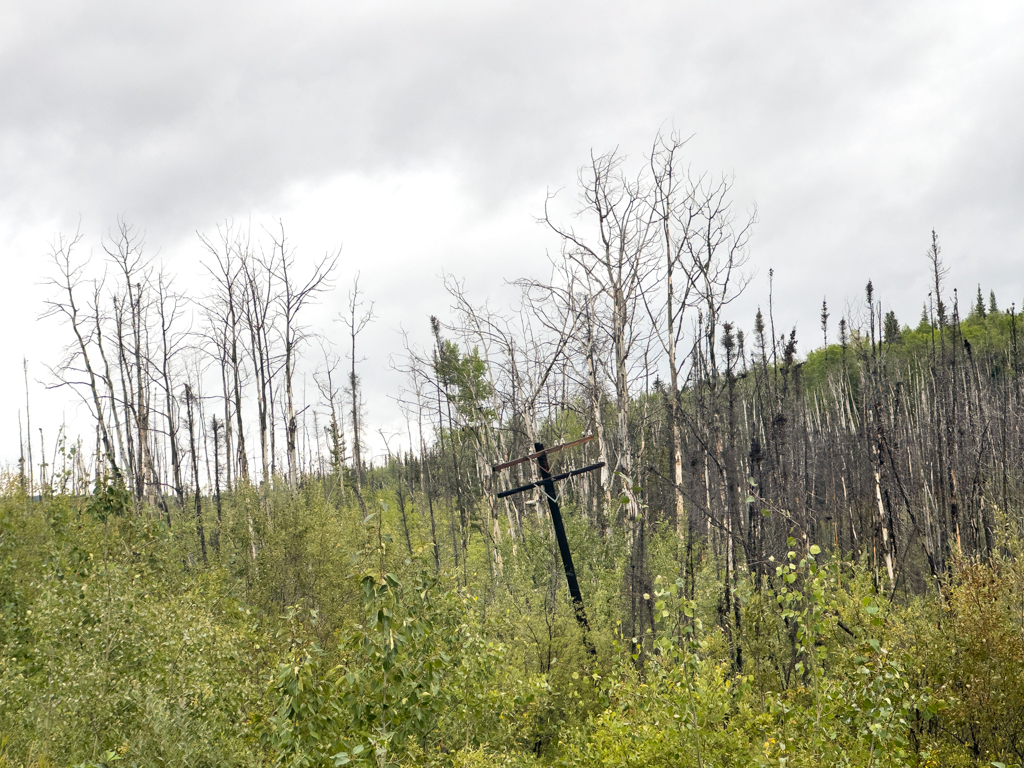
421,137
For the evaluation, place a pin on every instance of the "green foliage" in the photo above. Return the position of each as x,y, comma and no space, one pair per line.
464,379
891,328
685,704
306,555
848,701
988,336
110,650
974,645
111,499
118,650
413,677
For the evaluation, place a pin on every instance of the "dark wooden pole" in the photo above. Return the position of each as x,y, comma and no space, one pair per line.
548,485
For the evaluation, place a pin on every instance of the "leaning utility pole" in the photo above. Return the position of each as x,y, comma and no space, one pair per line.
547,483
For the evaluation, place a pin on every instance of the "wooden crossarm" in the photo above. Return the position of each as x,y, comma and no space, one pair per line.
556,478
553,449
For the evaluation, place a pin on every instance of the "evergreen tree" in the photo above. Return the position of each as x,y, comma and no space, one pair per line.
979,305
824,320
891,328
924,324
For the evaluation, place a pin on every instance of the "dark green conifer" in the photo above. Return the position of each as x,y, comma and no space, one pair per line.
891,329
924,324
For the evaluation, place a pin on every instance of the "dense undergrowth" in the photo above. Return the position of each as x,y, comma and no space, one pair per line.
341,644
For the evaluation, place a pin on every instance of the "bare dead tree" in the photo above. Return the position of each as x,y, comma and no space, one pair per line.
292,297
169,311
325,378
28,427
65,306
124,247
225,312
356,320
218,427
616,260
258,276
417,377
190,402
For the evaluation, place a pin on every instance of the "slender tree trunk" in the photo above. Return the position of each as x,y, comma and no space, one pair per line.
217,428
189,408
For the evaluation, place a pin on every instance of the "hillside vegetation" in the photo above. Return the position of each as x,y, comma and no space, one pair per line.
337,646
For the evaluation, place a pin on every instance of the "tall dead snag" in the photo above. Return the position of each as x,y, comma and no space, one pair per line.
945,405
595,394
224,312
124,248
28,426
190,401
417,378
356,319
107,378
334,431
712,249
69,277
875,397
673,217
615,262
259,288
292,296
168,311
126,397
217,426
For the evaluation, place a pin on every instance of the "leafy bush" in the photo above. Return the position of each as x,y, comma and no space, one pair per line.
112,652
414,677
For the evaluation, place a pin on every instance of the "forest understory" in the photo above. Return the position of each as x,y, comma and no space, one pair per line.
342,643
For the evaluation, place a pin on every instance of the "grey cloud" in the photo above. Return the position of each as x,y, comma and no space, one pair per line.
854,126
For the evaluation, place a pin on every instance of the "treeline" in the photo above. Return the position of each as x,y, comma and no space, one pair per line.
889,443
